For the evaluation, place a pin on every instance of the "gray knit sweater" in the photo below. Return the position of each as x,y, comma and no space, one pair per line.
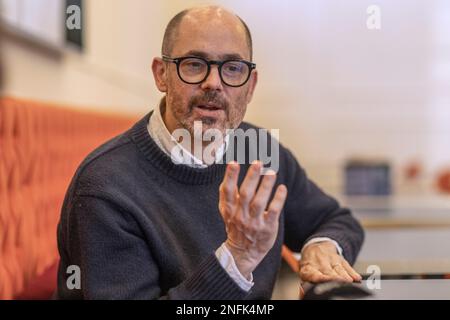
141,227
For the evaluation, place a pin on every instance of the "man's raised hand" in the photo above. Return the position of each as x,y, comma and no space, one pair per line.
251,225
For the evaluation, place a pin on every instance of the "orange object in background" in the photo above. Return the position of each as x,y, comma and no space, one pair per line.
443,181
413,170
41,145
290,259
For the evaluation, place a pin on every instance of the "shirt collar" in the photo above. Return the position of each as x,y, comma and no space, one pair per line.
162,137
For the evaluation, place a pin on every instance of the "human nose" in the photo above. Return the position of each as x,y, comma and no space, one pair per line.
213,80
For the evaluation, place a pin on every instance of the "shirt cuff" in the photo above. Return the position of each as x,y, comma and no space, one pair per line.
226,260
322,239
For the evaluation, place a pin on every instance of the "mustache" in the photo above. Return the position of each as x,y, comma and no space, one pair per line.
212,97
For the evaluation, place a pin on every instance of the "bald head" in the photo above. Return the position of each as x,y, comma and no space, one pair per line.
200,16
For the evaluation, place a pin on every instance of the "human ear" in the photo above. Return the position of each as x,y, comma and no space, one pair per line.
159,70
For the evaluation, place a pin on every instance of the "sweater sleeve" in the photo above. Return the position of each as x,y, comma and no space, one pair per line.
116,263
310,213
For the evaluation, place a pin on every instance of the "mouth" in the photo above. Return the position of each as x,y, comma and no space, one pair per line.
209,107
209,110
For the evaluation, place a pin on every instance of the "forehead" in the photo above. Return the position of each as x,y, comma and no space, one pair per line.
216,35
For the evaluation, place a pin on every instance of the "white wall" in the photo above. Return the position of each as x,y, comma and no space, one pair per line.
333,87
114,71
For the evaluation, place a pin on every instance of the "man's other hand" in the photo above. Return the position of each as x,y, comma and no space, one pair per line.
321,262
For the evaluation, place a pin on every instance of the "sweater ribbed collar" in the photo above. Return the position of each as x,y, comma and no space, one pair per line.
160,160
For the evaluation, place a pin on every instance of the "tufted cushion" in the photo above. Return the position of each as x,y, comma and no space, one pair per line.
41,145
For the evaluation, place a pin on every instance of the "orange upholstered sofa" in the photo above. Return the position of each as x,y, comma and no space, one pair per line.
41,146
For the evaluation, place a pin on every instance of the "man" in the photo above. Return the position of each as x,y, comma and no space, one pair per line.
144,222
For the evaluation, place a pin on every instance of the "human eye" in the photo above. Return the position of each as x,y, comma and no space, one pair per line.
233,67
194,64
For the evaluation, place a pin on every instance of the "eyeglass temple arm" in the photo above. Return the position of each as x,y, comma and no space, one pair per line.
167,58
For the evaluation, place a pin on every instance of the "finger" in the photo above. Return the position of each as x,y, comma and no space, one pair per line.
277,203
343,274
228,187
327,270
259,203
248,186
311,274
355,275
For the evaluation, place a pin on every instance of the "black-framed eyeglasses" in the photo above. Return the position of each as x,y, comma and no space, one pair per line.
194,70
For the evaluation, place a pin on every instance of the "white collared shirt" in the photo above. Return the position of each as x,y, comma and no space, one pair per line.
163,138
